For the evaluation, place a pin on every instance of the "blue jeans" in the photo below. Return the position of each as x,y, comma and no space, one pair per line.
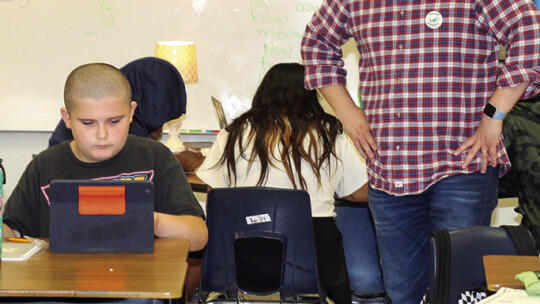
403,226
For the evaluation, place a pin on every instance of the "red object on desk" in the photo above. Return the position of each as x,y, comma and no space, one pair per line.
98,200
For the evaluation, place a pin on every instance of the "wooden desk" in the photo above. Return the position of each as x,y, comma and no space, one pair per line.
159,274
197,185
500,270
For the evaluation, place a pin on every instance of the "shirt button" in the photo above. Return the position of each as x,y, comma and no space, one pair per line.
398,80
398,114
398,147
400,46
402,13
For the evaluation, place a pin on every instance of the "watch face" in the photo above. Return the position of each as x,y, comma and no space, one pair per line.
490,110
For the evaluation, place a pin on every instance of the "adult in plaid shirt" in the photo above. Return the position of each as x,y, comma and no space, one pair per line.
434,102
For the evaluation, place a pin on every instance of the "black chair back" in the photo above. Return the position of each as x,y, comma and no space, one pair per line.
457,257
277,219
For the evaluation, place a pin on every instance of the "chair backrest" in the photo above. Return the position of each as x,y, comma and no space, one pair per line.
361,252
457,257
2,179
2,182
265,213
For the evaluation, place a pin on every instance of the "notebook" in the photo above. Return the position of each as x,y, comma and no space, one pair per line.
20,251
220,114
101,216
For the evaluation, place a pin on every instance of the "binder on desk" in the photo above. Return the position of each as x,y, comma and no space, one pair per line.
220,114
19,251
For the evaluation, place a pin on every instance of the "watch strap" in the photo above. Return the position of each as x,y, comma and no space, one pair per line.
492,112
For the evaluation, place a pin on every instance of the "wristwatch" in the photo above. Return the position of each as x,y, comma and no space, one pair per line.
492,112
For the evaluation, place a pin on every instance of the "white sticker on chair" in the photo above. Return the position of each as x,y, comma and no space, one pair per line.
257,219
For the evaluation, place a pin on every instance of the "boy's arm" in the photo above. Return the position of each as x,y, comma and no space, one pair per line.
7,232
182,226
21,212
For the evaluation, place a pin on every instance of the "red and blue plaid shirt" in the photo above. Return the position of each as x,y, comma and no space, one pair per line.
424,88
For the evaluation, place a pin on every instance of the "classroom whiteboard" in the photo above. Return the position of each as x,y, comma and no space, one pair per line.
41,41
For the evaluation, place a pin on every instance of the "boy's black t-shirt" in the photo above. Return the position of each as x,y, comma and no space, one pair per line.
27,209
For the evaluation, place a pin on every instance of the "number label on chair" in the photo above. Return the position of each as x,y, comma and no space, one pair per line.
258,219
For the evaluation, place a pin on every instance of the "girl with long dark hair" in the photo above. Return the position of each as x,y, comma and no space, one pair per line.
286,140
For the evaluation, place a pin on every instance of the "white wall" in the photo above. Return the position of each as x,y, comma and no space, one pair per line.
16,149
236,42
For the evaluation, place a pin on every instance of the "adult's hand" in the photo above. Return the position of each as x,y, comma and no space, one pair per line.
487,136
353,119
483,141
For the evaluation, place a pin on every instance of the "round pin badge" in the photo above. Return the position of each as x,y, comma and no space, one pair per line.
434,19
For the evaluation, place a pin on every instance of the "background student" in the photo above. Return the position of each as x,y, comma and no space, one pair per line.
286,140
521,132
434,101
159,90
99,110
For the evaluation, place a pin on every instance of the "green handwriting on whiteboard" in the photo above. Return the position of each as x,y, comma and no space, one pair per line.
280,29
306,7
106,12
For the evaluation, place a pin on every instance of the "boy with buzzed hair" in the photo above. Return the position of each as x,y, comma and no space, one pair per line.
98,110
97,80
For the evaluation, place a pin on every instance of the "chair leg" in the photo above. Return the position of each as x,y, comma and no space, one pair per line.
193,277
175,301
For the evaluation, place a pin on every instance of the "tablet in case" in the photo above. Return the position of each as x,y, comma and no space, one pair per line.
101,216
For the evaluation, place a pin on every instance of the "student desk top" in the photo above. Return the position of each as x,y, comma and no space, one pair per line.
197,185
159,274
500,270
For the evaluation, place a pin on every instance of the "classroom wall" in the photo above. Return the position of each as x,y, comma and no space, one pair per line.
237,41
16,149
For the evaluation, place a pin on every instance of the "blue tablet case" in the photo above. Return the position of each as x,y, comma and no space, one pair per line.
101,216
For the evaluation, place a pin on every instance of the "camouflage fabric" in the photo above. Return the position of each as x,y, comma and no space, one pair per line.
521,131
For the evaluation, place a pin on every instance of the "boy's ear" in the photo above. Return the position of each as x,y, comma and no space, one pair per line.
133,107
65,117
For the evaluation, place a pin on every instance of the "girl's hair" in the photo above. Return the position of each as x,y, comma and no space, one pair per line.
283,114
